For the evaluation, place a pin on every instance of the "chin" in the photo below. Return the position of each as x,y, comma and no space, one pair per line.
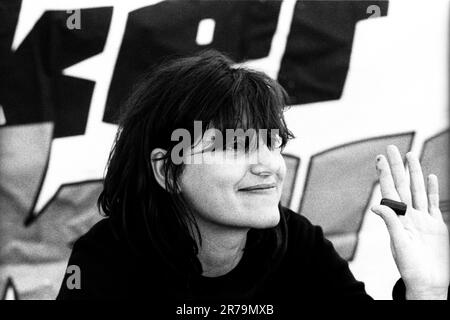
266,218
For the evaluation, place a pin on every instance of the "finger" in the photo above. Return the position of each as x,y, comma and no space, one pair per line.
433,196
393,223
399,174
418,191
385,177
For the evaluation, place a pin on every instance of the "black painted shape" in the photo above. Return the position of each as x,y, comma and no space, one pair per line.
317,56
10,286
243,30
32,86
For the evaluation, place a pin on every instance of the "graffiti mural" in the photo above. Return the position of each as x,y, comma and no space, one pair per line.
66,66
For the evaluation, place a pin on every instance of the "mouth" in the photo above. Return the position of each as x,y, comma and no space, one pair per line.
263,187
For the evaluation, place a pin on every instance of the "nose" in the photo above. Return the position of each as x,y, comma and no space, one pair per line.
267,162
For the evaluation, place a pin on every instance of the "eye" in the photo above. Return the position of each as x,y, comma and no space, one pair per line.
236,144
209,144
240,144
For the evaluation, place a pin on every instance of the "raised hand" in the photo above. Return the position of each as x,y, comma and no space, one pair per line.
420,238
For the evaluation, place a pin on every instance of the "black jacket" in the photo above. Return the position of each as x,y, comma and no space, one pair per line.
310,268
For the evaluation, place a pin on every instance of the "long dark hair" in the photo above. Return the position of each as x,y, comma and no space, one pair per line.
206,88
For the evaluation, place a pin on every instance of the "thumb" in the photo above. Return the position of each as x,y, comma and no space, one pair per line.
393,223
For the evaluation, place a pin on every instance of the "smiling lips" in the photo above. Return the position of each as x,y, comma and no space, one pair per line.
260,187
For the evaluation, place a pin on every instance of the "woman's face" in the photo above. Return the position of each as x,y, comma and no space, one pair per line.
243,191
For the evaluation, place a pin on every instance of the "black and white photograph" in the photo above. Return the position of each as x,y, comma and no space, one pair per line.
224,158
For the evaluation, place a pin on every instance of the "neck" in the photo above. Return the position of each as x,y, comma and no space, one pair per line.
221,248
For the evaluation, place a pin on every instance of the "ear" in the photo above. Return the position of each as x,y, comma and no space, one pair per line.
158,166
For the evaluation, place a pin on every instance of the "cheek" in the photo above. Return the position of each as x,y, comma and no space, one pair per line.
210,191
282,171
209,184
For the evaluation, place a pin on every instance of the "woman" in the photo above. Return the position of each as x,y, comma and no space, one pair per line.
214,231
